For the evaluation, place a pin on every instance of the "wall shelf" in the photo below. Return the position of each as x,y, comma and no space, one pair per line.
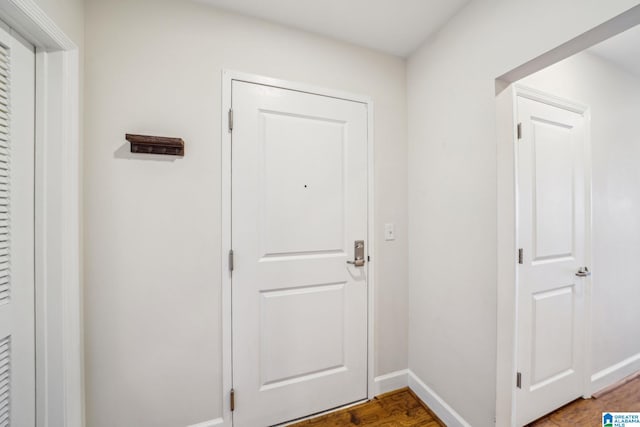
146,144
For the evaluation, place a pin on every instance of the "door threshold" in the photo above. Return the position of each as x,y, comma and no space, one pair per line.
319,414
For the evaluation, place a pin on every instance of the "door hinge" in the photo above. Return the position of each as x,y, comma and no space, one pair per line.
519,130
232,400
230,259
520,256
518,380
230,120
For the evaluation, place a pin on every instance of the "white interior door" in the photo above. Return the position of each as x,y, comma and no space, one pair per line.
17,334
299,190
552,213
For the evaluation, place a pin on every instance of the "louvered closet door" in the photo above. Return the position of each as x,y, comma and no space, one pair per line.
17,347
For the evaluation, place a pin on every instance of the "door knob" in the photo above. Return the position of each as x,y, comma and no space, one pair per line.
358,254
583,272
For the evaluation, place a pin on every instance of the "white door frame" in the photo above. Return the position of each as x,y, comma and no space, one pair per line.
507,316
227,78
59,361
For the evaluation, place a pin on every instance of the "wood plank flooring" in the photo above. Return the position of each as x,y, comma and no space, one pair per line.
399,408
402,408
588,412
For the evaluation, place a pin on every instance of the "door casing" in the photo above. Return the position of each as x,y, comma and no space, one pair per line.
58,304
227,77
507,225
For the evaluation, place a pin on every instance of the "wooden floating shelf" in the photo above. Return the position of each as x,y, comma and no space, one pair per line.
145,144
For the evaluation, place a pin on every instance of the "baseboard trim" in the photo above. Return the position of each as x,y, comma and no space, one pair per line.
391,381
611,375
439,407
615,386
210,423
387,383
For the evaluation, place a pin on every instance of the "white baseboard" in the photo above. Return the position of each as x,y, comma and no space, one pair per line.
391,381
210,423
439,407
615,373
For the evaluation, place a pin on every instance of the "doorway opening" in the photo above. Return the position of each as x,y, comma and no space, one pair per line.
567,227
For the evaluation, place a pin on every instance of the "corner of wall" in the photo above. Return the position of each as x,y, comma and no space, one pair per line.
436,403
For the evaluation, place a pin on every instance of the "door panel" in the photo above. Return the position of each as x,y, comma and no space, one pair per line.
299,311
316,197
553,188
551,231
315,308
17,315
553,310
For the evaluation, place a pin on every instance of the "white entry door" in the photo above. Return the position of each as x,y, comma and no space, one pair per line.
299,191
552,221
17,338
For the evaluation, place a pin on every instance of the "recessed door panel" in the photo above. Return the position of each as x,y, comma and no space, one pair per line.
552,347
303,333
304,188
553,190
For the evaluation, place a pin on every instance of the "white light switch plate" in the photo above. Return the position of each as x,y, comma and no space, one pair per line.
389,232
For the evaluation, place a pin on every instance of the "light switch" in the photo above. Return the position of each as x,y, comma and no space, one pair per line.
389,232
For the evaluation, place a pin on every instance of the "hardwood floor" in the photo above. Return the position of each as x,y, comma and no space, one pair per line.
588,412
402,408
399,408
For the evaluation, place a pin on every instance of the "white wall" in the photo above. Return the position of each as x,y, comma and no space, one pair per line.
152,227
452,186
614,97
